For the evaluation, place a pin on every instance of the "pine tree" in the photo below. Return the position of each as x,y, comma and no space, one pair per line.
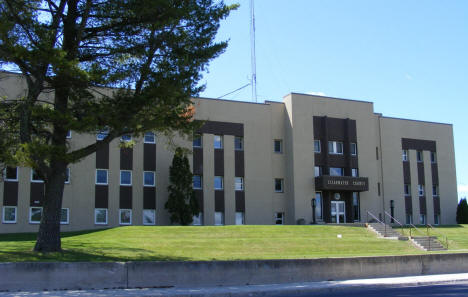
462,212
181,203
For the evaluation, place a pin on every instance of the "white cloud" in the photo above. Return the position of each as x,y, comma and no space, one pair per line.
462,190
316,93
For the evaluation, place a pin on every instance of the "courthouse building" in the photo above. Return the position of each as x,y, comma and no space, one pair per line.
306,159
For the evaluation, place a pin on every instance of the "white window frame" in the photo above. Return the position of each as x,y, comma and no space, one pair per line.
280,141
222,183
153,211
419,153
243,217
201,183
154,137
353,144
409,218
319,146
438,216
422,219
282,185
405,156
221,144
196,135
69,134
335,148
120,178
107,176
3,215
409,189
277,218
68,217
354,172
30,214
420,190
238,181
120,216
200,219
154,179
317,171
122,138
241,142
35,180
10,179
95,216
341,169
222,218
68,174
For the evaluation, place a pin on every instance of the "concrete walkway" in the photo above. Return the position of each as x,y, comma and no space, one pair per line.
294,289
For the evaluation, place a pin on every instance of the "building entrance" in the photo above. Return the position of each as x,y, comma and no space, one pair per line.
338,212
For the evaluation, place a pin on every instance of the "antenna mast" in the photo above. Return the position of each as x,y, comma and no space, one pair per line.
252,51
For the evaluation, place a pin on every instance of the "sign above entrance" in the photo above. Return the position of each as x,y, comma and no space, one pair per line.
342,183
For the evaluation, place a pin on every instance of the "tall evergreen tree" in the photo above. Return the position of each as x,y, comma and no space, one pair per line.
181,203
462,212
123,66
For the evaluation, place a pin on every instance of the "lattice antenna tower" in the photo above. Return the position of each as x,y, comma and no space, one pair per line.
252,51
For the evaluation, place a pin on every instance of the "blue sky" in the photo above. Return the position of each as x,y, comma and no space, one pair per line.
408,57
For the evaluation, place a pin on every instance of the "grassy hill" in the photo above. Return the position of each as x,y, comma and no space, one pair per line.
155,243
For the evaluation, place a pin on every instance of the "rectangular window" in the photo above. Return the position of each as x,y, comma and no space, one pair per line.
197,140
435,190
318,171
218,183
238,143
65,216
407,189
149,178
422,219
318,205
436,219
198,220
354,172
11,174
125,178
69,134
9,214
218,141
240,218
149,137
125,216
67,176
126,138
239,183
356,207
353,149
197,182
409,219
317,148
35,215
278,146
100,216
279,218
433,157
419,156
35,177
335,147
102,134
336,171
101,176
219,218
279,187
149,217
405,155
421,190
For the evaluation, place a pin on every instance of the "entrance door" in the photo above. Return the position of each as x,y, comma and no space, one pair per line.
338,214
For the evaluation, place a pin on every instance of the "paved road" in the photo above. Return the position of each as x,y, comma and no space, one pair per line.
447,290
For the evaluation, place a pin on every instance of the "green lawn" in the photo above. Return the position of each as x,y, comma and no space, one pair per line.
144,243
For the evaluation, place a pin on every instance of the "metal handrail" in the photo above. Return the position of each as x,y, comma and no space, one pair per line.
372,215
395,220
415,228
442,235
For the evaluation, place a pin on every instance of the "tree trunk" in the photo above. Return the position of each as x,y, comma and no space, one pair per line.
48,237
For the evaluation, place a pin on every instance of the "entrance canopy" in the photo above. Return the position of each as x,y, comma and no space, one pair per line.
342,183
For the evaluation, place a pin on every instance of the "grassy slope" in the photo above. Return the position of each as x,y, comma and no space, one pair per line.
137,243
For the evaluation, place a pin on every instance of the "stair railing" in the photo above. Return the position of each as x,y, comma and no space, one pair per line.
375,218
395,220
415,229
430,227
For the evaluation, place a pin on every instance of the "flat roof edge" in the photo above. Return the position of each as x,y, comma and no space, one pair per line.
328,97
421,121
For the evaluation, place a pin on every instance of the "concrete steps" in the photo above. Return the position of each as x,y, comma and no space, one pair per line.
428,243
386,231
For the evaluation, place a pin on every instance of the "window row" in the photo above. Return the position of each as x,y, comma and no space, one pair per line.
335,171
125,216
11,174
218,142
335,147
422,219
407,190
148,137
218,183
419,156
102,177
10,215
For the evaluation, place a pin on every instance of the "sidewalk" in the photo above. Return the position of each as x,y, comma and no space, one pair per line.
259,290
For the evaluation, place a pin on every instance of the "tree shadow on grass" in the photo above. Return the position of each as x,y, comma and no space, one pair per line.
33,236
